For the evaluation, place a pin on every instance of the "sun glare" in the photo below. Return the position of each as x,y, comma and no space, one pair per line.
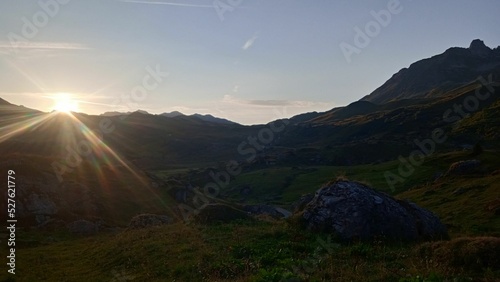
64,103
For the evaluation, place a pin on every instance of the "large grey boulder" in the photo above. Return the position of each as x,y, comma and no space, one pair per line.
354,211
149,220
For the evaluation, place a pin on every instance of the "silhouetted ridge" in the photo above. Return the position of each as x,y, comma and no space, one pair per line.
433,76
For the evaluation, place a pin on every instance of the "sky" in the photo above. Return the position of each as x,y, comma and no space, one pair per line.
250,61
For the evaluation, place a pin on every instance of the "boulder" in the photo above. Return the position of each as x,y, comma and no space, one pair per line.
463,167
354,211
82,227
149,220
40,205
478,48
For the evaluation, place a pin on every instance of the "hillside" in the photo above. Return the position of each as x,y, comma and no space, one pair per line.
436,75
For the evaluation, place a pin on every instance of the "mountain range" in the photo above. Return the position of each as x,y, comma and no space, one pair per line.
176,114
387,124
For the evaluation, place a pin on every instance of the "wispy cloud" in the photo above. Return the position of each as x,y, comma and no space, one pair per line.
169,3
42,46
247,111
249,43
271,103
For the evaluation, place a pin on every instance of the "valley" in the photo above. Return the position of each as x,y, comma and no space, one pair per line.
429,135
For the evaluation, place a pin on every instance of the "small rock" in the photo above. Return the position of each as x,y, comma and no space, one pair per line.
463,167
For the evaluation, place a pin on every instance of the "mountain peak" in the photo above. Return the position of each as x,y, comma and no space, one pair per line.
429,77
173,114
477,47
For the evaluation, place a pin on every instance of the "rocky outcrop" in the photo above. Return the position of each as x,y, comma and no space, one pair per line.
478,48
149,220
463,167
354,211
40,205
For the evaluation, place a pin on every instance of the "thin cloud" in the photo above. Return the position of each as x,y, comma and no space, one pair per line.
250,42
168,3
42,46
271,103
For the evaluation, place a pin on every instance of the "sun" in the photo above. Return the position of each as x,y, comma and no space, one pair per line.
65,103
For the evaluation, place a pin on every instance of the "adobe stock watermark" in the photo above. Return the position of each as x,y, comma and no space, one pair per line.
363,37
221,179
84,148
223,6
31,26
427,147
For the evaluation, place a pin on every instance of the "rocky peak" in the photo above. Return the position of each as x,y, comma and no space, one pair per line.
478,48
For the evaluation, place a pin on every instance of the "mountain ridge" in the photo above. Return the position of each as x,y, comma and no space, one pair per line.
176,114
440,73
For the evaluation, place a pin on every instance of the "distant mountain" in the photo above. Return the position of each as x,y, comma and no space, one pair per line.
434,76
207,118
213,119
114,114
176,114
172,114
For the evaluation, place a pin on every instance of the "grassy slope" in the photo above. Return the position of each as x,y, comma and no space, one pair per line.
291,183
270,251
240,251
116,191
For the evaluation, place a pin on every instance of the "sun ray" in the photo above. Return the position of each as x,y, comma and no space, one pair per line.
16,128
108,155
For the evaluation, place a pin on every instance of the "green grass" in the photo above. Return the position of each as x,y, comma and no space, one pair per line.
245,251
284,185
467,205
279,250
